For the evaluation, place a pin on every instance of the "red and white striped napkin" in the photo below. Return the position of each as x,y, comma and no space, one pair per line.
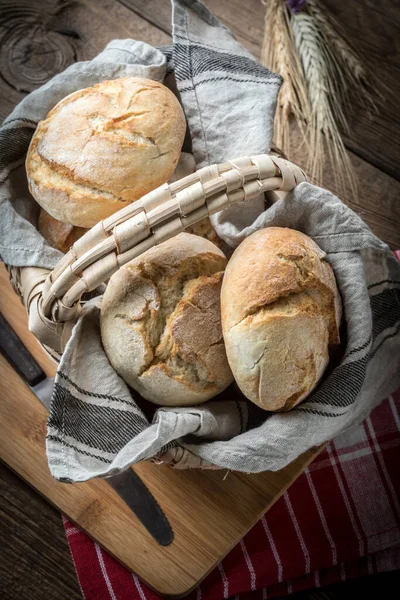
339,520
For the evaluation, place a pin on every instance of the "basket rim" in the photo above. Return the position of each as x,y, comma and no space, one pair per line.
53,298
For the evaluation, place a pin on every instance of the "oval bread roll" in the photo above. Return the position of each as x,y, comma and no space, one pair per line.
161,322
280,310
103,147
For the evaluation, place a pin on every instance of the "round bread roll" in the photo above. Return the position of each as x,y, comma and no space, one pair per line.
280,310
161,322
58,234
103,147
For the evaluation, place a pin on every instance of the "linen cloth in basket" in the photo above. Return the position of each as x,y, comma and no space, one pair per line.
96,427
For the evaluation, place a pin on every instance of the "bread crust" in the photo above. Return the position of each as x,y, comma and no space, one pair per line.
103,147
281,309
161,322
58,234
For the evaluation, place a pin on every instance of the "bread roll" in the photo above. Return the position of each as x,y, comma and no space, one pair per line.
161,322
280,311
58,234
103,147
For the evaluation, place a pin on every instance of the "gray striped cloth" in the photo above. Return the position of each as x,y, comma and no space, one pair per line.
96,426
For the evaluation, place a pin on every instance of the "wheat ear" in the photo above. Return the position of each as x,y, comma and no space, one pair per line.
278,53
347,64
325,108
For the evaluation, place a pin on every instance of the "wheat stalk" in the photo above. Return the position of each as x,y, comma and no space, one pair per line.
321,73
325,107
278,54
268,50
348,65
334,34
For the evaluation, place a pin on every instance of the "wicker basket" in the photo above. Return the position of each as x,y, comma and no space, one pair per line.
54,298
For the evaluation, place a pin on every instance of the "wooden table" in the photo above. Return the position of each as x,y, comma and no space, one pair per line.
42,37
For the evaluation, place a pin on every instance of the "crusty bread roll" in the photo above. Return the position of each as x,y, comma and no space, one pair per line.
161,322
58,234
103,147
280,311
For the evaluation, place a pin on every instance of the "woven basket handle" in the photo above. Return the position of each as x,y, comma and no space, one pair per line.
54,302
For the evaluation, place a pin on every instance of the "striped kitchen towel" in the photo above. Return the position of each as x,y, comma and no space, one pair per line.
339,520
96,426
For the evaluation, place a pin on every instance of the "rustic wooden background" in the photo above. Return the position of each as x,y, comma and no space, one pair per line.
39,38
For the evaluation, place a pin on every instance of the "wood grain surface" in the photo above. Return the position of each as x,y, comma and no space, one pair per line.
35,562
39,38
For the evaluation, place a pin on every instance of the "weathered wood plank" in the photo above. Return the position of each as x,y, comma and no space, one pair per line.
35,559
373,29
41,38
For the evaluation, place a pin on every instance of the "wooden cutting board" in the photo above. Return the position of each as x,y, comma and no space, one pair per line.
210,511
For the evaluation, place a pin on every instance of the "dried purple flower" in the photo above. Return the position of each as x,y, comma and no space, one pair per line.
296,6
